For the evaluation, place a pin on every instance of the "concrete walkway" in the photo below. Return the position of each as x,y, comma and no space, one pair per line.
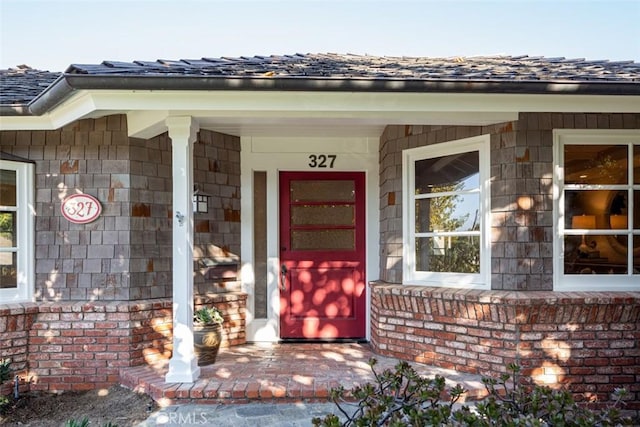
244,415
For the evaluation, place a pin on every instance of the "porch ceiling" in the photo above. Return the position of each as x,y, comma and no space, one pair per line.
344,126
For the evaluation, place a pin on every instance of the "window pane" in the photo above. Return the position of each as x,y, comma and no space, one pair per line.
448,173
8,270
323,215
636,259
448,213
636,164
595,164
636,211
453,254
7,187
319,190
323,240
7,230
593,209
260,252
594,256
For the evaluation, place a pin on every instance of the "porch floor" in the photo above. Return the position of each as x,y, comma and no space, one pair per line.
280,373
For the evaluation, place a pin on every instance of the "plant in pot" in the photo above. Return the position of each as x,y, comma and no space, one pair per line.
207,334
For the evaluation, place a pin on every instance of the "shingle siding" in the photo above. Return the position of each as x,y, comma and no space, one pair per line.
126,253
521,191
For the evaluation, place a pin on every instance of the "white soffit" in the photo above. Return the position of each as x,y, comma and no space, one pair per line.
270,113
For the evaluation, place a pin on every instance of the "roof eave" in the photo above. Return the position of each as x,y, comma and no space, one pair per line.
60,89
14,110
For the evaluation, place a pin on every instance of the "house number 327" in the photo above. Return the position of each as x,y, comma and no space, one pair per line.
322,160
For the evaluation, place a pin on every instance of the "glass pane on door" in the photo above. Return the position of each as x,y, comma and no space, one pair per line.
323,240
318,190
325,214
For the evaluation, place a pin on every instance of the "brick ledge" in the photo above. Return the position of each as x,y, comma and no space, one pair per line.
505,297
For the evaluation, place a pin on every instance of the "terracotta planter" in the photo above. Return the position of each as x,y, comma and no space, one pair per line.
206,342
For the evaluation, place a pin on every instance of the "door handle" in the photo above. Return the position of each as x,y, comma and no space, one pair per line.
283,274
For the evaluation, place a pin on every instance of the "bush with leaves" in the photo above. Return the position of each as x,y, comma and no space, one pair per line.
402,398
85,423
512,404
5,374
398,398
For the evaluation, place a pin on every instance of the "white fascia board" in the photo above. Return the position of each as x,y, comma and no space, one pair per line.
287,104
282,101
79,106
26,123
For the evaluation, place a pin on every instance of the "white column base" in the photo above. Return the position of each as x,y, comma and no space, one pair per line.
181,372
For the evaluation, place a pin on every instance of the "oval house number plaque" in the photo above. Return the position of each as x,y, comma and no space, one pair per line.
81,208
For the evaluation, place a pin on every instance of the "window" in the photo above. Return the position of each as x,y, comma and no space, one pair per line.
597,201
16,231
446,214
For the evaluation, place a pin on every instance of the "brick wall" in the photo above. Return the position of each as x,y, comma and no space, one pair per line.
588,341
15,322
82,345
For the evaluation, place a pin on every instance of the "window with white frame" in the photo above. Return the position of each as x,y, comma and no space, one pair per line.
446,214
16,231
597,205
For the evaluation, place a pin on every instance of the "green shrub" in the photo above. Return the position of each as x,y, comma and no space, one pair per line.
402,398
5,374
75,423
5,370
208,316
85,423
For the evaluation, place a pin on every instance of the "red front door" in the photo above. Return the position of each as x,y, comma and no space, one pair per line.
322,255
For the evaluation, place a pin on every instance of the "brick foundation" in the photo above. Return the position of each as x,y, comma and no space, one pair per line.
83,345
588,342
15,322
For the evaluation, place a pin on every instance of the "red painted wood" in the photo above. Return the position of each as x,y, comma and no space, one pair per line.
324,292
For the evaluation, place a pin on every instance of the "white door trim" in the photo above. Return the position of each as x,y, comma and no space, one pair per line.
272,155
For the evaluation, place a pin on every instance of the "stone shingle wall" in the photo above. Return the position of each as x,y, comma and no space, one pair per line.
521,191
217,233
126,253
149,219
74,261
393,141
522,195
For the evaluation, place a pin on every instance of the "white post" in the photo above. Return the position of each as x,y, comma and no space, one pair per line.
183,367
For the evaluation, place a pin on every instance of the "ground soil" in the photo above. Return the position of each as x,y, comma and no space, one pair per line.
117,405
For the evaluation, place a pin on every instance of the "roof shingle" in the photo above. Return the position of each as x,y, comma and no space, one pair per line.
372,67
22,85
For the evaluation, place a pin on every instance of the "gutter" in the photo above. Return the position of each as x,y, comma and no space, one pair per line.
66,84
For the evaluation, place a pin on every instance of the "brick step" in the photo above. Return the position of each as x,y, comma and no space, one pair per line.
280,373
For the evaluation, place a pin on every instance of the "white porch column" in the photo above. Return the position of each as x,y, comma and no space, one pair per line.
183,367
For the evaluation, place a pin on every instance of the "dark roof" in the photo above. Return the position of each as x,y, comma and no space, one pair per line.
373,67
482,74
20,85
